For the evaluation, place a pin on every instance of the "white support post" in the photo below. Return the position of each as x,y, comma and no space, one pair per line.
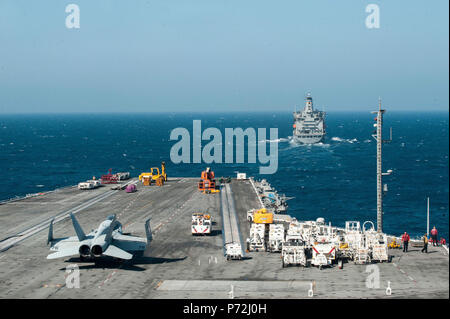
428,215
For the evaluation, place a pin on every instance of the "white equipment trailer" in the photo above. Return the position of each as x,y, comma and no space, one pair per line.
233,251
323,254
90,184
294,232
256,242
86,185
362,255
293,253
377,243
276,237
95,182
355,243
123,176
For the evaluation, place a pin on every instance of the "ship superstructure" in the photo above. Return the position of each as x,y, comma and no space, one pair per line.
309,124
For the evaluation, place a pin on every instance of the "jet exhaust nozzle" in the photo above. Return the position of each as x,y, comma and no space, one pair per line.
97,250
85,251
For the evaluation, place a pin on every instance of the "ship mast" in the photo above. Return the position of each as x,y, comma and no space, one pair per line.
309,103
378,137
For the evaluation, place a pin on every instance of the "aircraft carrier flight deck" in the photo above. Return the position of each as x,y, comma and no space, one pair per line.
177,264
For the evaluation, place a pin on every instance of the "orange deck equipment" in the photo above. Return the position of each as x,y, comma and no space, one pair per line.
207,182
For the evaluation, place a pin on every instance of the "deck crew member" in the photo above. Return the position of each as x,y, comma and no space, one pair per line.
434,234
425,243
405,240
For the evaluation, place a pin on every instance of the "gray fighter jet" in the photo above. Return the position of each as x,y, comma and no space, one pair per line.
107,240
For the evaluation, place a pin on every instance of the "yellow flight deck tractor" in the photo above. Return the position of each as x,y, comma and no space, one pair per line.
260,216
157,176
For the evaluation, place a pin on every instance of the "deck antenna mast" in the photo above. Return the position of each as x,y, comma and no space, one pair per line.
378,137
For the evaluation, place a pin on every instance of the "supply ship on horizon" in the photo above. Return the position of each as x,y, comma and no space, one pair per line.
309,124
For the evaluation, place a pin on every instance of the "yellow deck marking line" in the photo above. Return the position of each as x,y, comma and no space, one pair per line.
53,286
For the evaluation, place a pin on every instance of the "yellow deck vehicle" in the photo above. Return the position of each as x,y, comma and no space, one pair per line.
394,244
155,174
262,216
146,180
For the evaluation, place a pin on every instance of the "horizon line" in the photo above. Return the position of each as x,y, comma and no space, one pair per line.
209,112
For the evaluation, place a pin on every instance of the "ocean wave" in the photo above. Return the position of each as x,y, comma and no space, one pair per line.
278,140
294,144
344,140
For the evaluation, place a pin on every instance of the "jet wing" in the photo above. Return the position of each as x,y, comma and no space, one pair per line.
129,243
72,239
66,249
116,252
56,244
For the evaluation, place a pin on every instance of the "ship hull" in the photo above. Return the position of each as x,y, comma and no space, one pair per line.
308,140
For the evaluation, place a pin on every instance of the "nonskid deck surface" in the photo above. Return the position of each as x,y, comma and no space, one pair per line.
179,265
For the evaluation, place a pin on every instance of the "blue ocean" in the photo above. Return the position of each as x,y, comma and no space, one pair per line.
335,179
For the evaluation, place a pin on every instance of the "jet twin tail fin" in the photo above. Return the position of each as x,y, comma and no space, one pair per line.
111,228
50,232
80,233
148,231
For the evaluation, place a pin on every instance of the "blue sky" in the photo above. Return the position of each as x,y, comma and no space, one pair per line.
222,55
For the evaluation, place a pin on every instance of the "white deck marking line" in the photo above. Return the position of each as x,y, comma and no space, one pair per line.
13,240
256,192
156,229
